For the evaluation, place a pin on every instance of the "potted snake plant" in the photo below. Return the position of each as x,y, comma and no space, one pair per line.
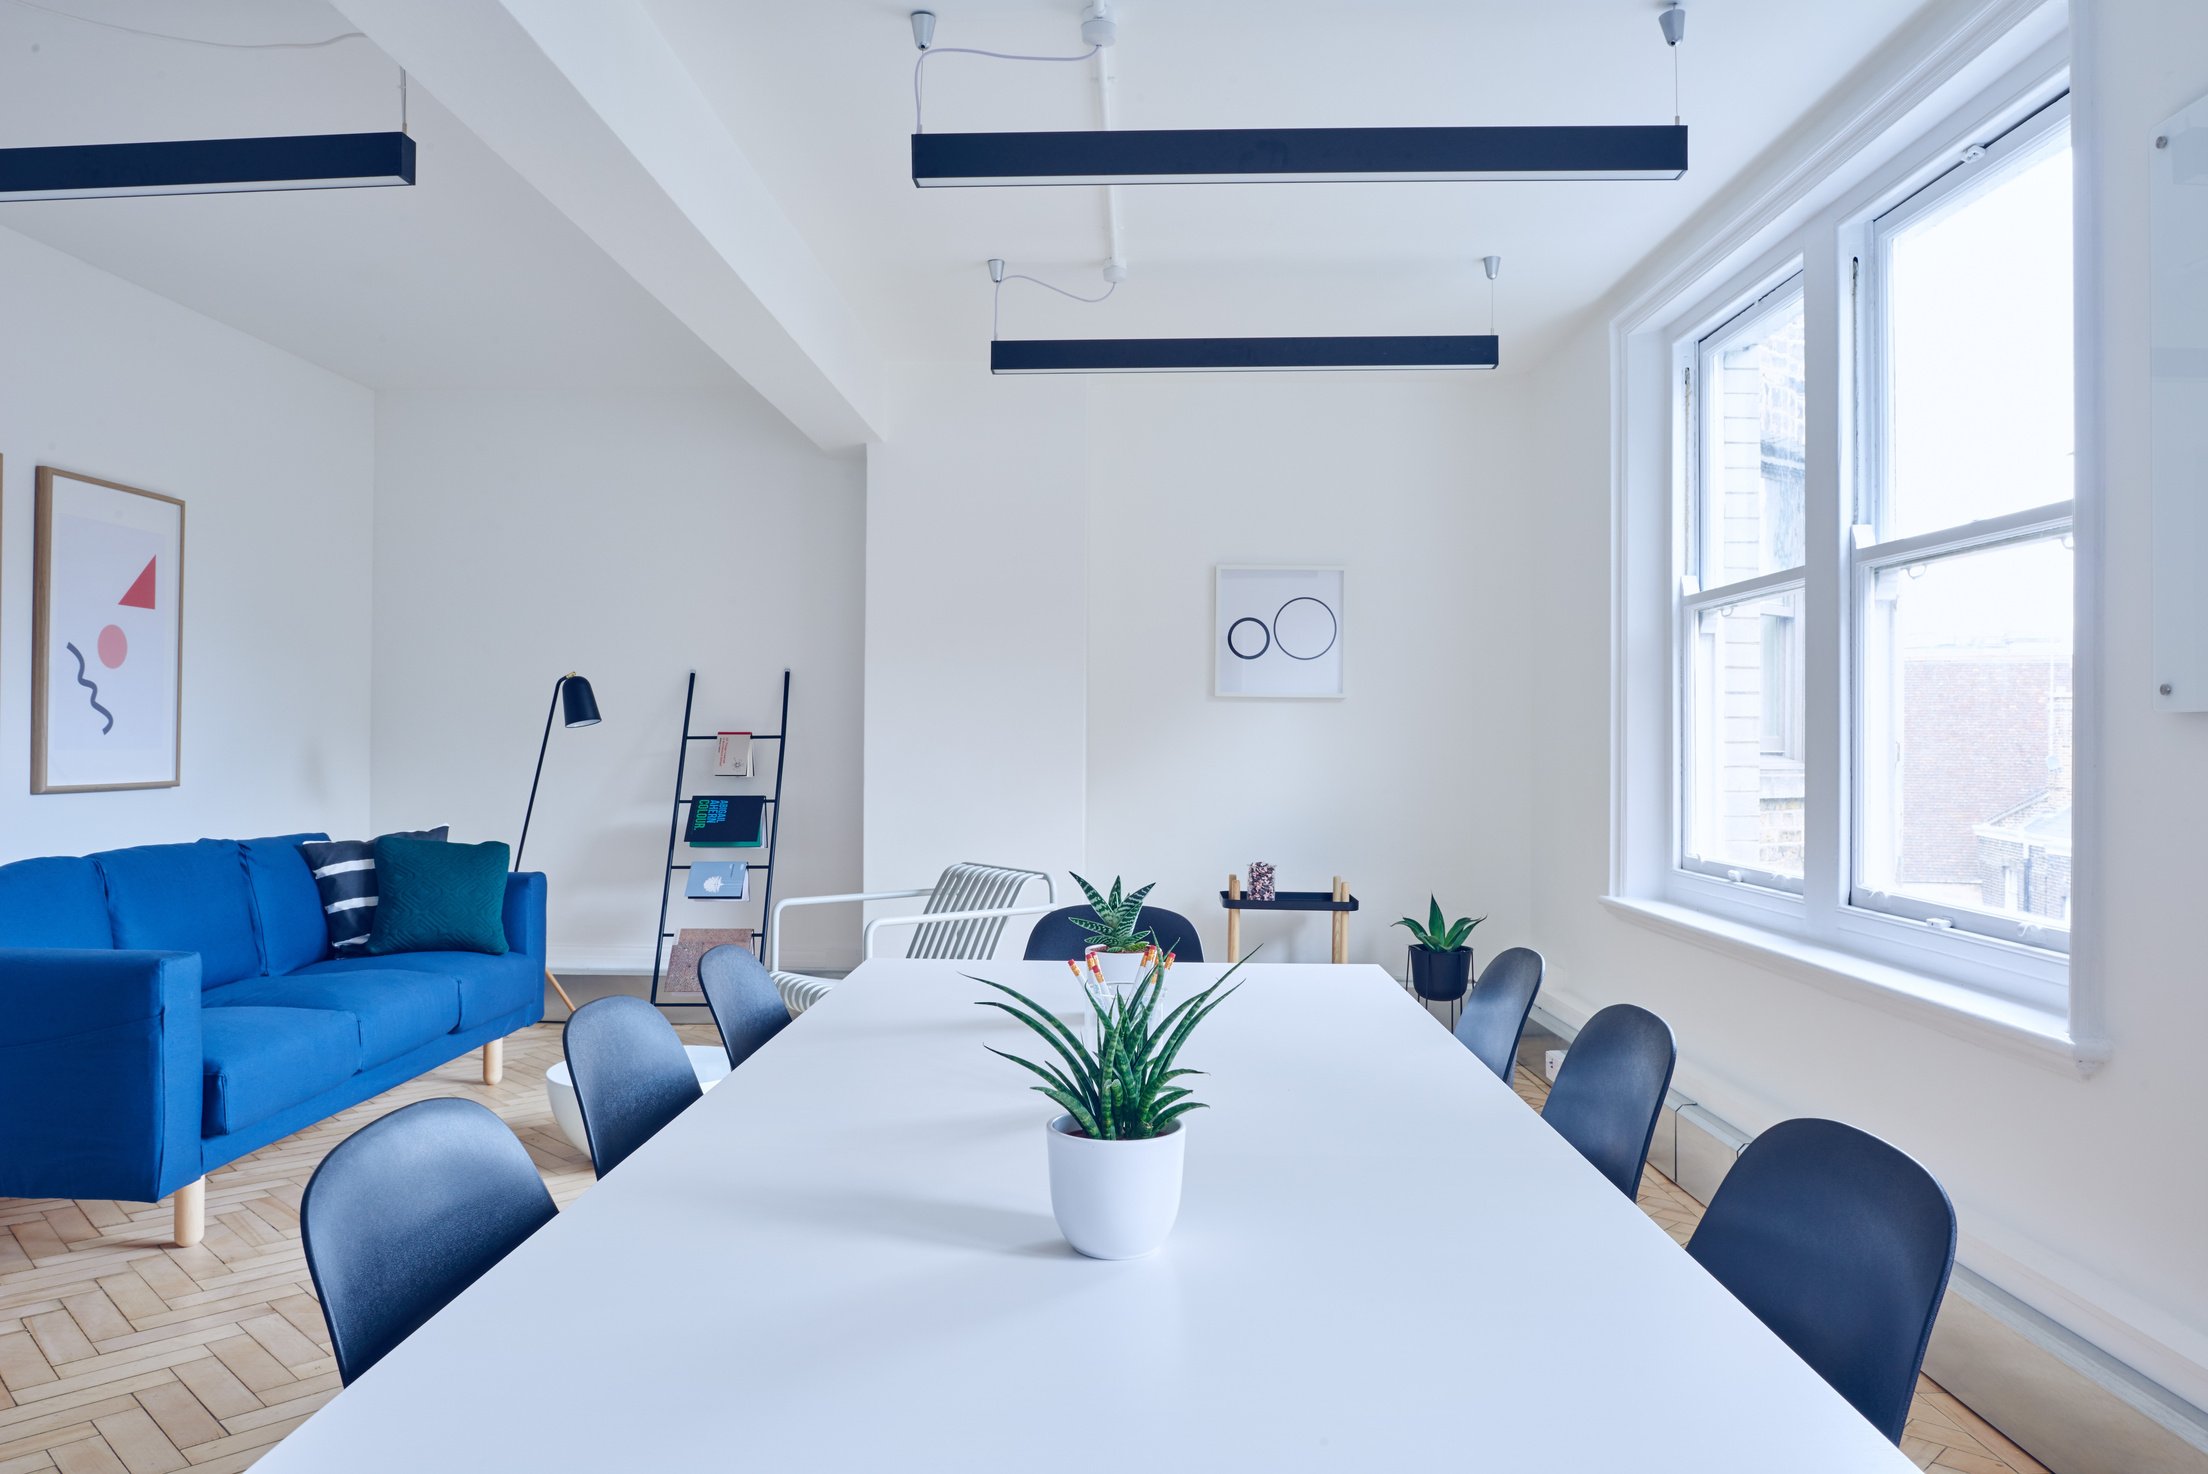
1122,949
1115,1150
1441,960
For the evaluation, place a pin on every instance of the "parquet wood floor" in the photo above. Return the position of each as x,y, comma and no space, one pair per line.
122,1355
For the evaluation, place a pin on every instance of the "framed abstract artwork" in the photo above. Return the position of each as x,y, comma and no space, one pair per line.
107,636
1277,632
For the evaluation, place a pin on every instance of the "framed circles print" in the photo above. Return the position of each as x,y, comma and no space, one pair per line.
1277,632
107,636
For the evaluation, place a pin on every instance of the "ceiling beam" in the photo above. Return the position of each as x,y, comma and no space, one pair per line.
592,107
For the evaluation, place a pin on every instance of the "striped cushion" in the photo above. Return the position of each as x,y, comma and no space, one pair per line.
345,874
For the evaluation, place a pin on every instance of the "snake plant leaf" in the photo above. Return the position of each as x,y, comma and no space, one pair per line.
1076,1064
1096,901
1436,923
1082,1115
1054,1030
1056,1077
1167,1118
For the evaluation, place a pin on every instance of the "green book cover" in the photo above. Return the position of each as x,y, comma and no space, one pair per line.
731,822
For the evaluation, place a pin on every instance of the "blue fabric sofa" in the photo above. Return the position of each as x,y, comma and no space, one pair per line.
169,1008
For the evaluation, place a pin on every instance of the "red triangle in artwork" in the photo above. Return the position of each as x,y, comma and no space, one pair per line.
140,595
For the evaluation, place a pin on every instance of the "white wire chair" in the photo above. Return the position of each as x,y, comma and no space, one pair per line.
963,920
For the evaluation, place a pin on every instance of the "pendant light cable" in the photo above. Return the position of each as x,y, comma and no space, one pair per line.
917,66
996,297
193,40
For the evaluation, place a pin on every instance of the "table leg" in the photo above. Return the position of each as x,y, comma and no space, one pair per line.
1234,920
1341,922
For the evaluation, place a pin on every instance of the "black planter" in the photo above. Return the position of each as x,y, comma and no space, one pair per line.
1441,977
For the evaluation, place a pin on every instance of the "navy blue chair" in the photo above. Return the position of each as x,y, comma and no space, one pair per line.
746,1008
1611,1089
630,1072
406,1213
1496,1008
1056,939
1842,1246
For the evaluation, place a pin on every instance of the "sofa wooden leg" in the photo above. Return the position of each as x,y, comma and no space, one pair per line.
189,1203
494,1061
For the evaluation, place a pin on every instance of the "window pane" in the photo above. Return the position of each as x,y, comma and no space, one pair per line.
1751,455
1744,719
1967,705
1979,351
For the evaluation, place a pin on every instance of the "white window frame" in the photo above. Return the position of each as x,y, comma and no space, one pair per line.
1977,170
2018,998
1699,415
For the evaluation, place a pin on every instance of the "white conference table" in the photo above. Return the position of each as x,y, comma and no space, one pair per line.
843,1259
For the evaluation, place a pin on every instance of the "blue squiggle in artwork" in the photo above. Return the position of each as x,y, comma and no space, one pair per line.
94,689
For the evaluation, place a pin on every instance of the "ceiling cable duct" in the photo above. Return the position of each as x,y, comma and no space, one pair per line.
1102,32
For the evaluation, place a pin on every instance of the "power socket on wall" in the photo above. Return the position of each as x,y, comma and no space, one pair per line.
1551,1063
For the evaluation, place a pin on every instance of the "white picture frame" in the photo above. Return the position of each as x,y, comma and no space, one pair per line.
1278,632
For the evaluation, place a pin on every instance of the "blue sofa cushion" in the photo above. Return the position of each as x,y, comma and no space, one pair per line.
185,898
260,1060
285,899
53,902
490,987
392,1012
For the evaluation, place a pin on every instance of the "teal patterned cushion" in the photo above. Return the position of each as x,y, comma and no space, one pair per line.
438,897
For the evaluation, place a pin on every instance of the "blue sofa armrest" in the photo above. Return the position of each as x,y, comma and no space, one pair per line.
100,1073
525,913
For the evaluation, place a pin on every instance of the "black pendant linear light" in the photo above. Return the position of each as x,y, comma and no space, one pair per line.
1239,355
1298,155
210,165
1111,156
206,166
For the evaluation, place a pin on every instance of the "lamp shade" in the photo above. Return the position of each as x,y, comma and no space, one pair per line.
578,705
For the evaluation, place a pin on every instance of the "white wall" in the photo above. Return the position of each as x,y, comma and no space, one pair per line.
975,628
1078,521
273,458
630,536
2084,1197
1412,784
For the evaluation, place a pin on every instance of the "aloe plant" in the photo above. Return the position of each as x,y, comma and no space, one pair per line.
1124,1089
1438,935
1116,915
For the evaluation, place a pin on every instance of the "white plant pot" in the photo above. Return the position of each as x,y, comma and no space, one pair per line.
1114,1199
1120,969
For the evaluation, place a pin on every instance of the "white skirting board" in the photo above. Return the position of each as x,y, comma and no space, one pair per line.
2062,1399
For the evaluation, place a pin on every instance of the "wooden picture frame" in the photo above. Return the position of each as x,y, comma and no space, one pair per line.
107,597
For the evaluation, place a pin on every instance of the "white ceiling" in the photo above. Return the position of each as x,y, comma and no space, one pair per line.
473,279
820,94
468,279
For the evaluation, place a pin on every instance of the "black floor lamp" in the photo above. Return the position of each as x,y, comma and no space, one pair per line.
574,701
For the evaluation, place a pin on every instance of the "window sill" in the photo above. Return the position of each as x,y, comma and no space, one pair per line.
1963,1013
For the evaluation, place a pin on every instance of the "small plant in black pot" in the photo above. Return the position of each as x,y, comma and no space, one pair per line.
1441,963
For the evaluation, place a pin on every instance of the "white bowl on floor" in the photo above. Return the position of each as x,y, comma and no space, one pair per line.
709,1060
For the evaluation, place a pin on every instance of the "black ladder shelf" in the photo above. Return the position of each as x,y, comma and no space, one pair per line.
780,738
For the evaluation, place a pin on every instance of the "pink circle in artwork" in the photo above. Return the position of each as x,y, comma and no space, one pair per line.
113,647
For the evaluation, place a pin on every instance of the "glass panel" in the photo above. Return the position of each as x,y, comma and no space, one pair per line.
1979,366
1752,448
1744,800
1967,730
